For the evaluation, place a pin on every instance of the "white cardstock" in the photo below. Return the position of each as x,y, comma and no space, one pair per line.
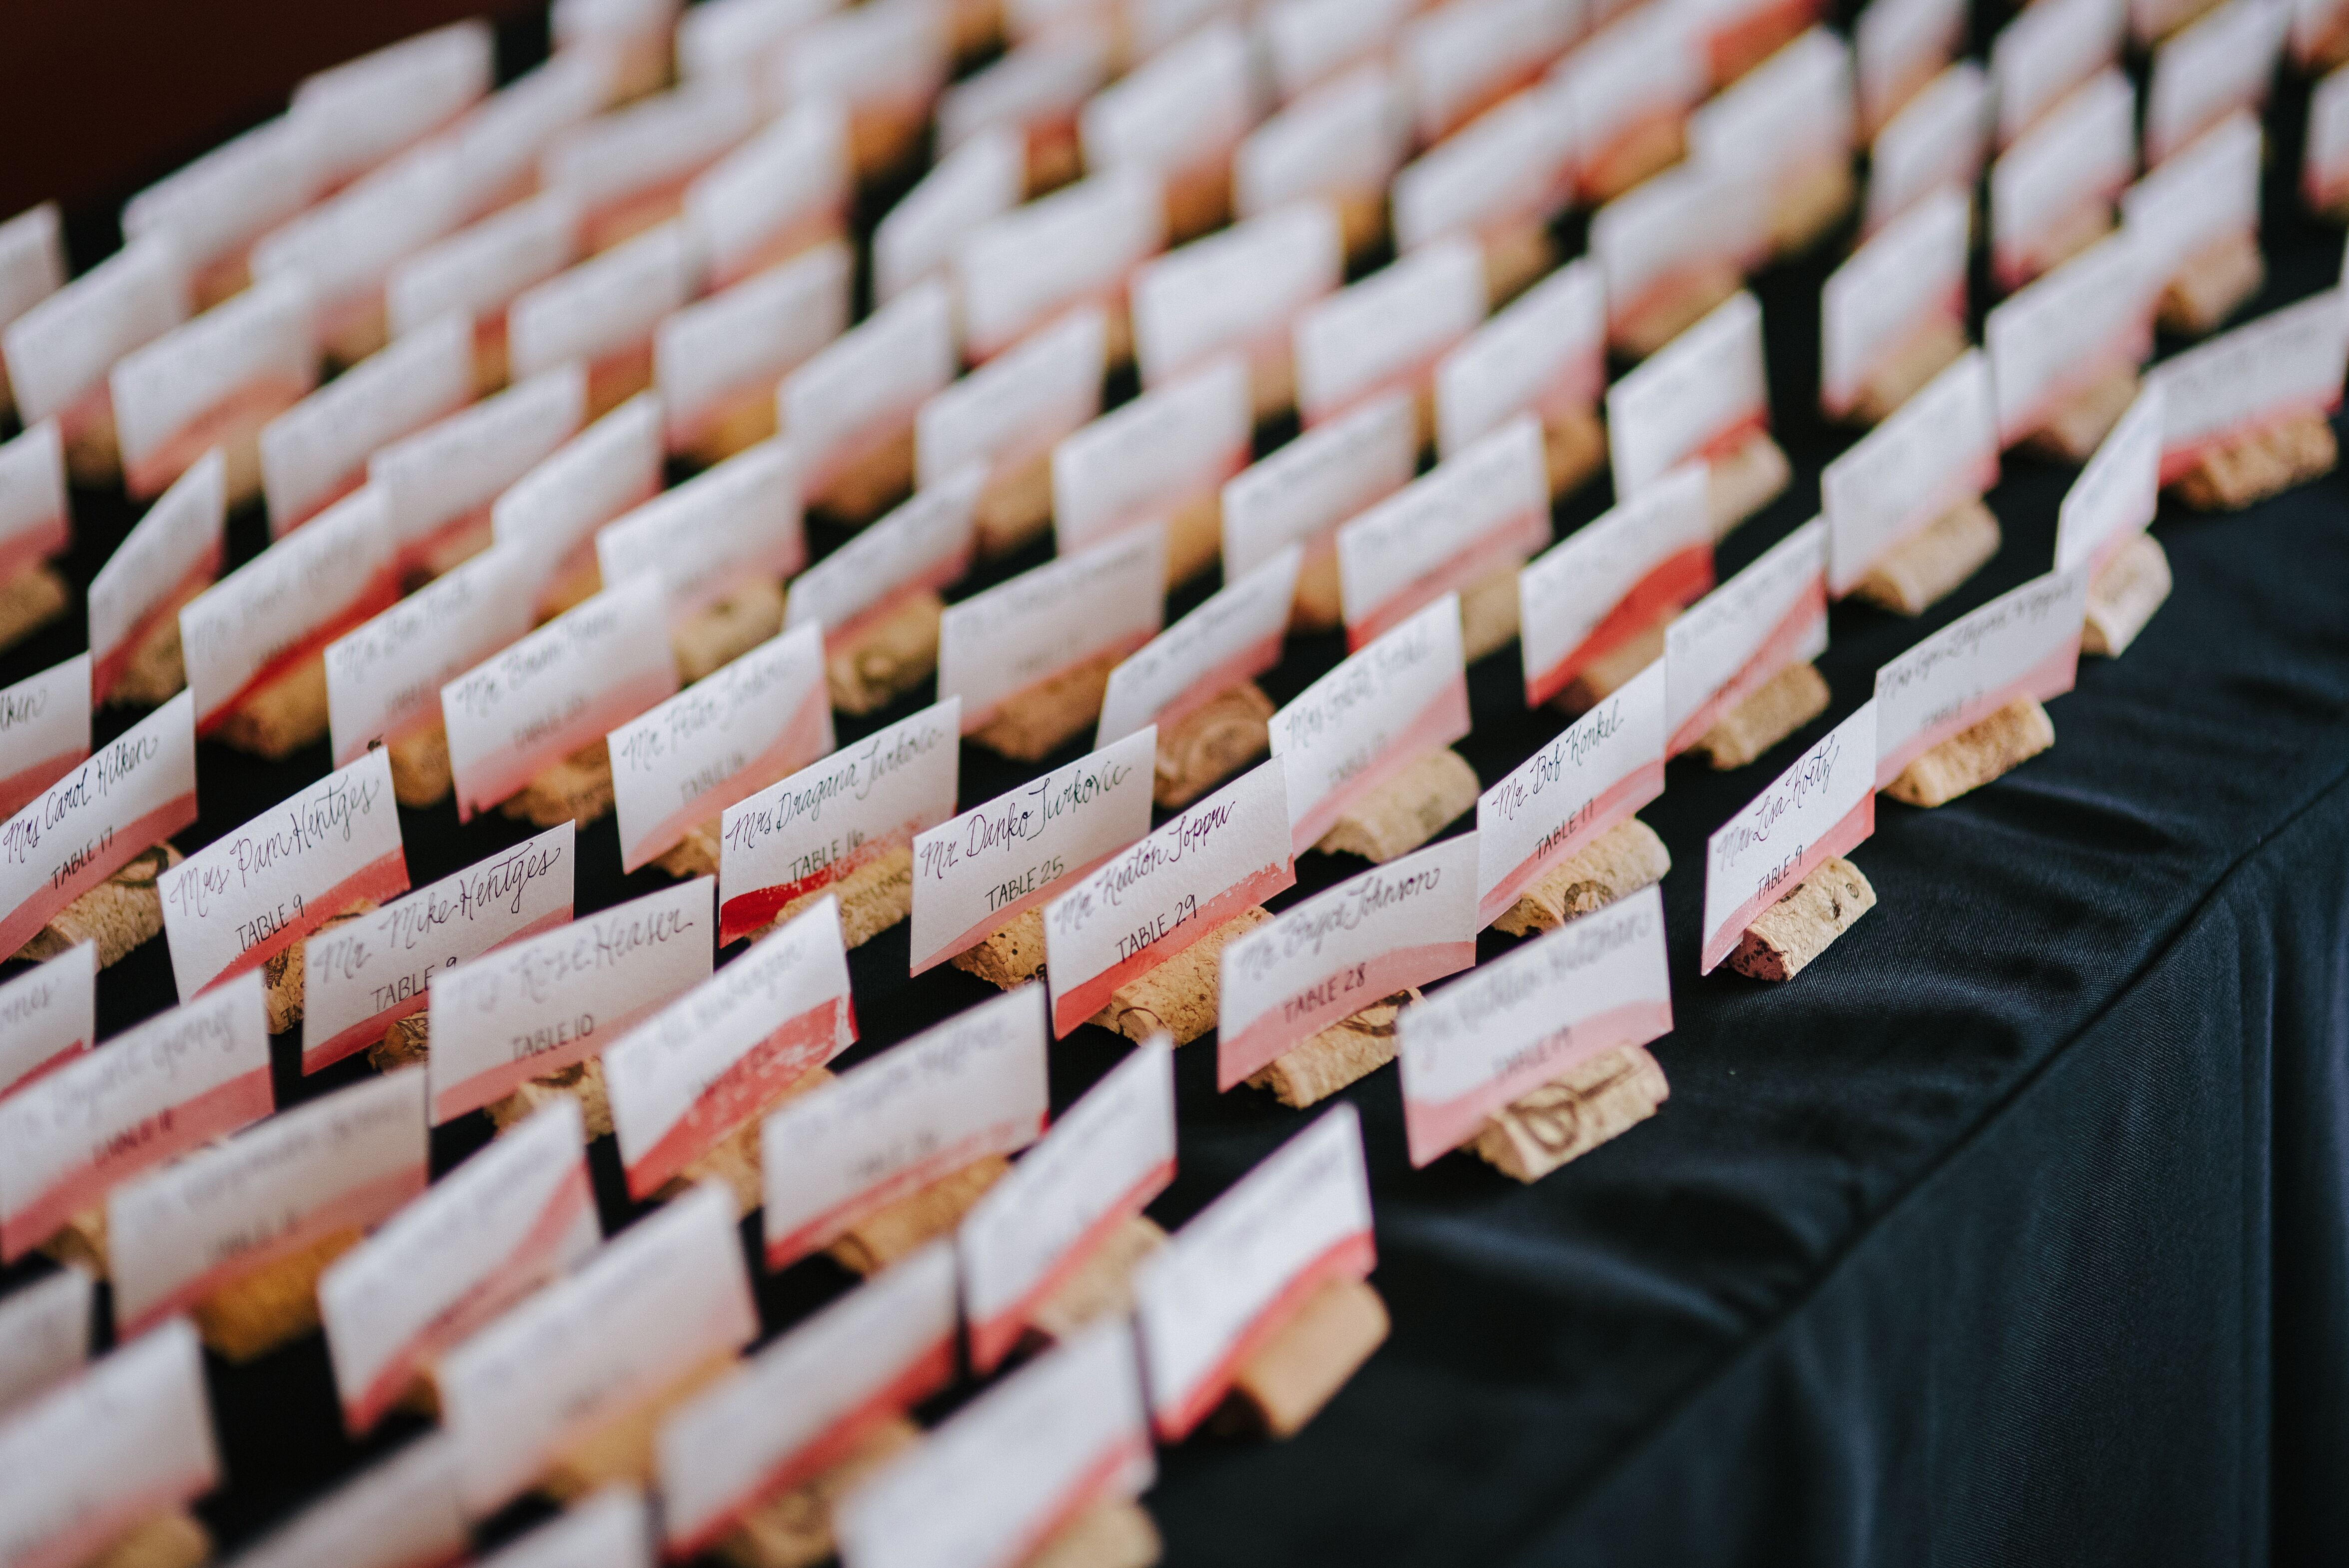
702,541
1546,353
604,306
1510,168
1730,643
59,351
1011,412
384,680
1235,637
477,272
2288,362
922,546
1821,806
1181,111
2023,644
1169,448
1612,580
396,1514
1483,511
1465,54
735,346
1305,488
1936,452
2221,62
773,194
1387,331
610,1529
2114,498
1239,290
316,452
600,475
857,394
2045,52
444,479
1691,398
1907,279
1898,46
177,395
2072,163
48,1016
919,238
1341,143
1105,601
1694,218
2205,195
1938,142
173,554
45,1333
1022,270
43,730
2061,332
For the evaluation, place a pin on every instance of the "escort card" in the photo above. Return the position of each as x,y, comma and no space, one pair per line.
703,542
1227,855
439,483
1012,1468
1235,637
2206,193
1595,985
1908,279
1307,42
1384,708
1181,111
1474,515
342,250
602,473
384,680
1108,600
738,37
45,1330
836,816
1635,77
366,974
1143,462
1789,117
216,206
2215,66
1693,219
1013,410
610,1529
773,196
1547,353
1341,143
686,1076
2044,53
43,730
316,452
807,1401
1035,263
632,161
1820,808
1698,397
563,686
1387,332
343,1162
1731,643
1612,580
2023,644
1510,168
1032,92
863,391
917,240
1463,57
667,1295
885,60
971,1087
2324,166
176,398
737,345
59,351
367,110
1406,922
171,556
480,271
2064,332
137,790
1589,779
35,523
512,1216
1239,290
2074,161
499,142
130,1438
48,1016
251,894
1240,1271
1098,1167
1938,142
1306,487
2288,362
1898,46
922,546
537,1005
399,1513
604,306
1938,451
2114,498
153,1092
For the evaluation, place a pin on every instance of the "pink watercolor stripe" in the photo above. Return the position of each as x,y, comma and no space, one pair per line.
1604,810
800,744
378,881
107,673
1512,541
1777,652
797,1045
1275,1031
1349,1257
368,1030
505,773
1845,835
495,1083
1676,582
2051,677
1011,912
90,1535
36,542
819,1231
1443,721
1436,1127
996,1336
21,788
1245,666
1088,997
113,853
2177,462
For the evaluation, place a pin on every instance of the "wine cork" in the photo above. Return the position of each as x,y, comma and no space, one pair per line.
1574,451
887,659
1405,811
1787,701
1905,372
119,914
272,1307
281,975
2122,596
281,716
1345,1053
29,600
880,1239
1211,743
2081,422
1976,755
1786,937
1114,1534
1100,1287
1600,1098
793,1529
1618,863
1011,957
1675,306
2260,463
582,1081
1032,725
577,789
728,629
1926,567
869,485
2216,282
621,1449
1309,1358
1743,482
1802,214
1181,996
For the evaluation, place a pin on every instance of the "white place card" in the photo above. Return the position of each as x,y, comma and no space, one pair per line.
834,817
971,1087
2062,333
805,1401
1341,143
2114,498
478,270
667,1295
1474,515
1898,46
1387,332
1242,1268
1612,580
2203,195
2324,147
398,1512
1145,904
2288,362
1731,643
1179,112
1305,488
1100,1165
45,1333
863,391
1014,409
251,894
440,482
1595,985
1907,280
1384,708
548,1002
779,193
1461,57
1938,451
1076,247
34,521
176,398
1235,637
1063,1435
1106,601
511,1217
1939,143
563,686
612,1528
366,974
173,554
1636,76
59,352
316,452
43,730
48,1016
1307,42
601,309
888,57
1698,397
384,680
216,206
739,343
130,1438
1170,448
919,238
1589,779
683,1079
1694,218
135,791
2045,52
1239,290
1545,354
1823,806
1407,922
343,1162
2217,64
629,160
2023,644
499,142
721,37
344,249
1509,168
151,1093
2075,160
1032,92
1788,117
369,109
923,546
600,475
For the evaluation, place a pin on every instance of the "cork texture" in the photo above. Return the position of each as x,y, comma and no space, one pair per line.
1574,451
1032,725
734,1159
1211,743
1346,1052
583,1081
873,897
577,789
1619,862
1516,258
1311,1357
1103,1286
81,1241
1802,214
887,659
2260,463
915,1220
172,1540
2124,596
620,1451
1925,568
1976,755
1114,1534
1785,702
1195,538
1655,145
1743,482
1674,306
2078,425
155,672
119,914
1321,604
723,632
1181,996
1488,614
1198,200
1015,509
407,1041
93,454
1599,1099
1406,810
273,1306
793,1529
1611,671
279,718
1786,937
282,976
1906,370
694,855
1011,957
871,484
421,775
2216,282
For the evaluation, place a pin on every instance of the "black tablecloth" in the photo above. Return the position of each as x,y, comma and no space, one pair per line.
2015,1230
